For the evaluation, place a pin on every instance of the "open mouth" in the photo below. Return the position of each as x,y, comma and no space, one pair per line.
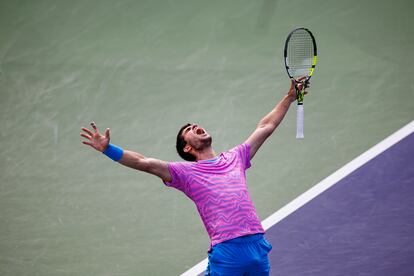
199,131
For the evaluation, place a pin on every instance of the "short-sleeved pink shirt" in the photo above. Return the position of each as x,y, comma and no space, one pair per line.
218,189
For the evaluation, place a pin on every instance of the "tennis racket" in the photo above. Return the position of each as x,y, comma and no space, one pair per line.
300,61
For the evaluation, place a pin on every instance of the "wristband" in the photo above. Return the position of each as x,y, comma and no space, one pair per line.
114,152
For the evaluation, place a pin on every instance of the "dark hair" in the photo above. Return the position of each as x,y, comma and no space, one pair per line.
181,144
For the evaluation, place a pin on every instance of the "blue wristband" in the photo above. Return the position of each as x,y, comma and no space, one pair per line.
114,152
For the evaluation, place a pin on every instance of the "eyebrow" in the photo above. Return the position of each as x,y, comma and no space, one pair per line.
187,129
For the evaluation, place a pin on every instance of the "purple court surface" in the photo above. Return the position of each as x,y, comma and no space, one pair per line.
363,225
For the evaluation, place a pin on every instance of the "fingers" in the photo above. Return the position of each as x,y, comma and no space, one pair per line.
93,125
93,138
300,83
305,85
300,86
87,131
87,143
300,79
86,136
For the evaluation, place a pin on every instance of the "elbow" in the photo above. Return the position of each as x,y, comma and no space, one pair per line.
267,129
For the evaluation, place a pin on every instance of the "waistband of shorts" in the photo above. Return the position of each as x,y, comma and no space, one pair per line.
247,238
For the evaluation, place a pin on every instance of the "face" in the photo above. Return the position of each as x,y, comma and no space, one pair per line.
196,137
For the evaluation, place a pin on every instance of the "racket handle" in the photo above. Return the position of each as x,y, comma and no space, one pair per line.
299,122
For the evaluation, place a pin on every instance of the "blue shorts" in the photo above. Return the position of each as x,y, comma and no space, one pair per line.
243,256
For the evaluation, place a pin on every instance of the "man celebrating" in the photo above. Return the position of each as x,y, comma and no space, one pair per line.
217,186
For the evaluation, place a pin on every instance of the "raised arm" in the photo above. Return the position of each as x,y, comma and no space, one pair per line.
128,158
270,122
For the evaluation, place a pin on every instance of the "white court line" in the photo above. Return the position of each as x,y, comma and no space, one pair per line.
323,185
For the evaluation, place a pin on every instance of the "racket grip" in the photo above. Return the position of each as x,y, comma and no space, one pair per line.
299,122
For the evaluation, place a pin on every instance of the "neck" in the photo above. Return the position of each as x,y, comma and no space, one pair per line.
205,154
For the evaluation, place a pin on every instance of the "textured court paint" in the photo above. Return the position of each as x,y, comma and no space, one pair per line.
144,68
338,175
363,225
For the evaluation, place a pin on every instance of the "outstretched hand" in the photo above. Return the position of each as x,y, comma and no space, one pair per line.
95,139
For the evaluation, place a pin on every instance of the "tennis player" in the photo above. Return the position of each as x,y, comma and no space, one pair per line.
217,185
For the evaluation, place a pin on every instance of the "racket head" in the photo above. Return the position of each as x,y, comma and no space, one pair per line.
300,54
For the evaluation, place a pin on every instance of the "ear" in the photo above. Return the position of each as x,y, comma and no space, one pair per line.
187,148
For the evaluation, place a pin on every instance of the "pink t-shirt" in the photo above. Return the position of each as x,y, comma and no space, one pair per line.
218,189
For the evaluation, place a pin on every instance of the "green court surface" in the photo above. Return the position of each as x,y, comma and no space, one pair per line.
145,68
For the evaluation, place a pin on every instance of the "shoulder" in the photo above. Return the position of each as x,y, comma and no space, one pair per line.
180,172
242,152
241,148
181,165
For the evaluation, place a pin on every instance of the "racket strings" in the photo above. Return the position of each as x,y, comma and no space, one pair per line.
300,53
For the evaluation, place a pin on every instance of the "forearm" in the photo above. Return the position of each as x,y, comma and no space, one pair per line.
275,117
134,160
139,162
127,158
270,122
